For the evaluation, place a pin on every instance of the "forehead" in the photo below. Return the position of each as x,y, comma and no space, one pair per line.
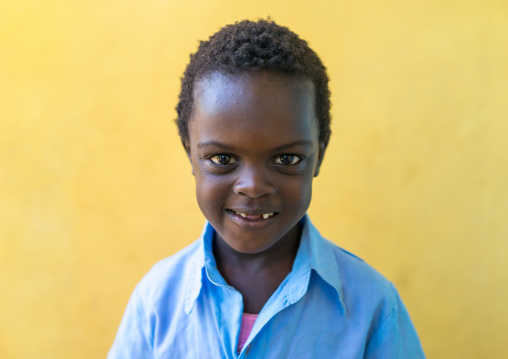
259,104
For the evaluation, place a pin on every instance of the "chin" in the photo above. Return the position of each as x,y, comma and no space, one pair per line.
248,246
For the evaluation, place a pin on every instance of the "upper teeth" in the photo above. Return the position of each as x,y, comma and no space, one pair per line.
265,216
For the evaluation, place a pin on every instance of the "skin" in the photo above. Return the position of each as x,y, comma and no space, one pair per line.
254,149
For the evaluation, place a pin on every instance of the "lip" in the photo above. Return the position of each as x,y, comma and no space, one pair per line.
251,224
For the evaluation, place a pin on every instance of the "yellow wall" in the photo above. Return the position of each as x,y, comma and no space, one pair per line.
95,187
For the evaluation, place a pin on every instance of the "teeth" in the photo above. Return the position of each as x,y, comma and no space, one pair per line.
265,216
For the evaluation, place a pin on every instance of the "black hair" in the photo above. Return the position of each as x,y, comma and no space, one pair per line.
249,47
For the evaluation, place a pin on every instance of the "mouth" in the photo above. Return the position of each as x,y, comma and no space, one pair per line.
252,217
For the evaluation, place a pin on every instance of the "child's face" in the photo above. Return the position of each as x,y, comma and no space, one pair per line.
254,149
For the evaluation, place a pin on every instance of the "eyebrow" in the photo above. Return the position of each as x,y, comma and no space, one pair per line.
303,143
213,143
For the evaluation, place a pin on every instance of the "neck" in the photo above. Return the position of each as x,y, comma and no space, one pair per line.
280,255
256,276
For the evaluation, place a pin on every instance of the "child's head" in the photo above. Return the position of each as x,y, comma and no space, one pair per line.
254,120
250,47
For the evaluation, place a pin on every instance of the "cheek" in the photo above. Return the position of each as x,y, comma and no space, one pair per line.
297,191
211,192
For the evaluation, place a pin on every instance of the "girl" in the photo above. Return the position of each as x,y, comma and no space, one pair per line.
254,119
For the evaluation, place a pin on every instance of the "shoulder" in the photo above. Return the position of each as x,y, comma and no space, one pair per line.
168,279
356,273
340,267
360,285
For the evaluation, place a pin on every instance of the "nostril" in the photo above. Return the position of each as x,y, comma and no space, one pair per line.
254,183
255,190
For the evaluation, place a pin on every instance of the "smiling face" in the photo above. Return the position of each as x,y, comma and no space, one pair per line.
254,149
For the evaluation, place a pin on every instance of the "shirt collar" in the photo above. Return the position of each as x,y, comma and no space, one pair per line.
314,253
317,254
322,257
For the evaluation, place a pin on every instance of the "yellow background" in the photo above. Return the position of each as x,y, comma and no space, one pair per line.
95,187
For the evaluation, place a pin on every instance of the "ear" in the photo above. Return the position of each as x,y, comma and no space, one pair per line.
186,145
321,155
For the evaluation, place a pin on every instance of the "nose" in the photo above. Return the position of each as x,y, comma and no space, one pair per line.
254,182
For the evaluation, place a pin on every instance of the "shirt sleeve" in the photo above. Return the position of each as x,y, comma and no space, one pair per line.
395,337
132,339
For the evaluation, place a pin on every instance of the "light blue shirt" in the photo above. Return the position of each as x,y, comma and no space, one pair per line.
331,305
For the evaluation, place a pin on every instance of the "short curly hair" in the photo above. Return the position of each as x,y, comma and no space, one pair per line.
249,47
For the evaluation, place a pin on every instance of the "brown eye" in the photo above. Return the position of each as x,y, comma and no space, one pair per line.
287,160
222,160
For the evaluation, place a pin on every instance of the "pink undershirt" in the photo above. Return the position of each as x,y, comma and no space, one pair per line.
245,329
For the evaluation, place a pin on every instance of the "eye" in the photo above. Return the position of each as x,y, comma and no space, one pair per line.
222,160
287,160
